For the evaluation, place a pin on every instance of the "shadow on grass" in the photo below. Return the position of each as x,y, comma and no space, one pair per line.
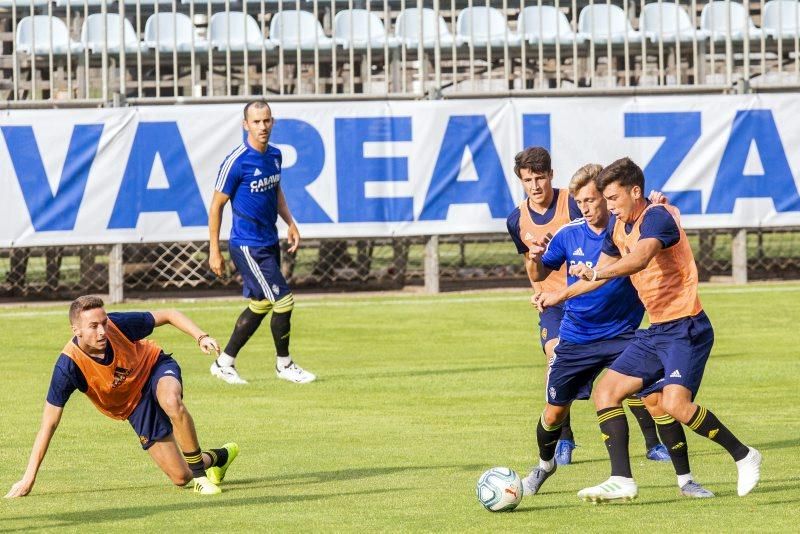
196,504
318,477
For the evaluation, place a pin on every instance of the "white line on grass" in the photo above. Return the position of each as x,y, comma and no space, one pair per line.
409,300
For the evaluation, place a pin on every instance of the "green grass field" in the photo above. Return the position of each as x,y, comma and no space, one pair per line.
416,397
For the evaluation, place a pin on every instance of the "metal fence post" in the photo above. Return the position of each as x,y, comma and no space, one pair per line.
432,264
115,275
739,257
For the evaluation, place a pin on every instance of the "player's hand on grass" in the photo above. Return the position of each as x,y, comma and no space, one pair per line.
293,237
20,489
657,197
207,344
216,262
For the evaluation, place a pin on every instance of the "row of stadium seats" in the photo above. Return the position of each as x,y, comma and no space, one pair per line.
360,29
21,4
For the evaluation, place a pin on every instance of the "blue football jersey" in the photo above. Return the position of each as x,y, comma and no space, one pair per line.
604,313
251,179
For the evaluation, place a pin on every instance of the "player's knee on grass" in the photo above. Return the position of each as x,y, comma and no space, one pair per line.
181,477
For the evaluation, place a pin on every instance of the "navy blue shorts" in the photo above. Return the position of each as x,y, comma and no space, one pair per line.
674,352
550,323
575,367
148,418
260,268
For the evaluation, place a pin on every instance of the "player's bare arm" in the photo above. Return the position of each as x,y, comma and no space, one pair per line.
644,251
187,326
50,419
215,260
293,234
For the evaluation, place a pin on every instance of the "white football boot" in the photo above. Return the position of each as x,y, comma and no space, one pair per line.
294,373
749,469
613,489
228,373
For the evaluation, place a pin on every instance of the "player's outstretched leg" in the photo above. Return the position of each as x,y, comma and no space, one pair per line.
677,402
673,436
248,322
281,326
548,429
656,451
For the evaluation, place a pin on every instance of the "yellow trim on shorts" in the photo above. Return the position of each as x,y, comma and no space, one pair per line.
261,307
286,304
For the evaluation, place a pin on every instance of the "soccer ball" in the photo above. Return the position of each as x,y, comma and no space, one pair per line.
499,489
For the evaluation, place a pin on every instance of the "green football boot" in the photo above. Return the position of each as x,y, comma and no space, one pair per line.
216,474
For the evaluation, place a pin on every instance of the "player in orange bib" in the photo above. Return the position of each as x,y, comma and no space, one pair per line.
540,215
128,377
646,242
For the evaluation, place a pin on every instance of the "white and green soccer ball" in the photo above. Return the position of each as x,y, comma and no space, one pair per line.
499,489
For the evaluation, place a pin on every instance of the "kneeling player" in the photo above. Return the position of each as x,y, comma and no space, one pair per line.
595,330
128,377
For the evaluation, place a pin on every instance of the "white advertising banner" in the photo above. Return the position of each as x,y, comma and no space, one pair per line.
371,169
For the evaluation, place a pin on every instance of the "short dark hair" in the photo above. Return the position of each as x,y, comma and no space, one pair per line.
82,304
624,172
534,158
257,104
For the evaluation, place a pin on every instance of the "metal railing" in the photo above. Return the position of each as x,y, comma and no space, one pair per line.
145,50
435,263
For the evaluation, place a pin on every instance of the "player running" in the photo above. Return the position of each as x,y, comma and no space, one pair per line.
595,330
250,178
128,377
646,242
543,211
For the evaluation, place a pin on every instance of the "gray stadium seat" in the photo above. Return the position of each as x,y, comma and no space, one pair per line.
714,18
291,29
92,34
602,23
782,18
361,29
172,31
239,25
547,26
39,28
669,22
483,26
408,31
